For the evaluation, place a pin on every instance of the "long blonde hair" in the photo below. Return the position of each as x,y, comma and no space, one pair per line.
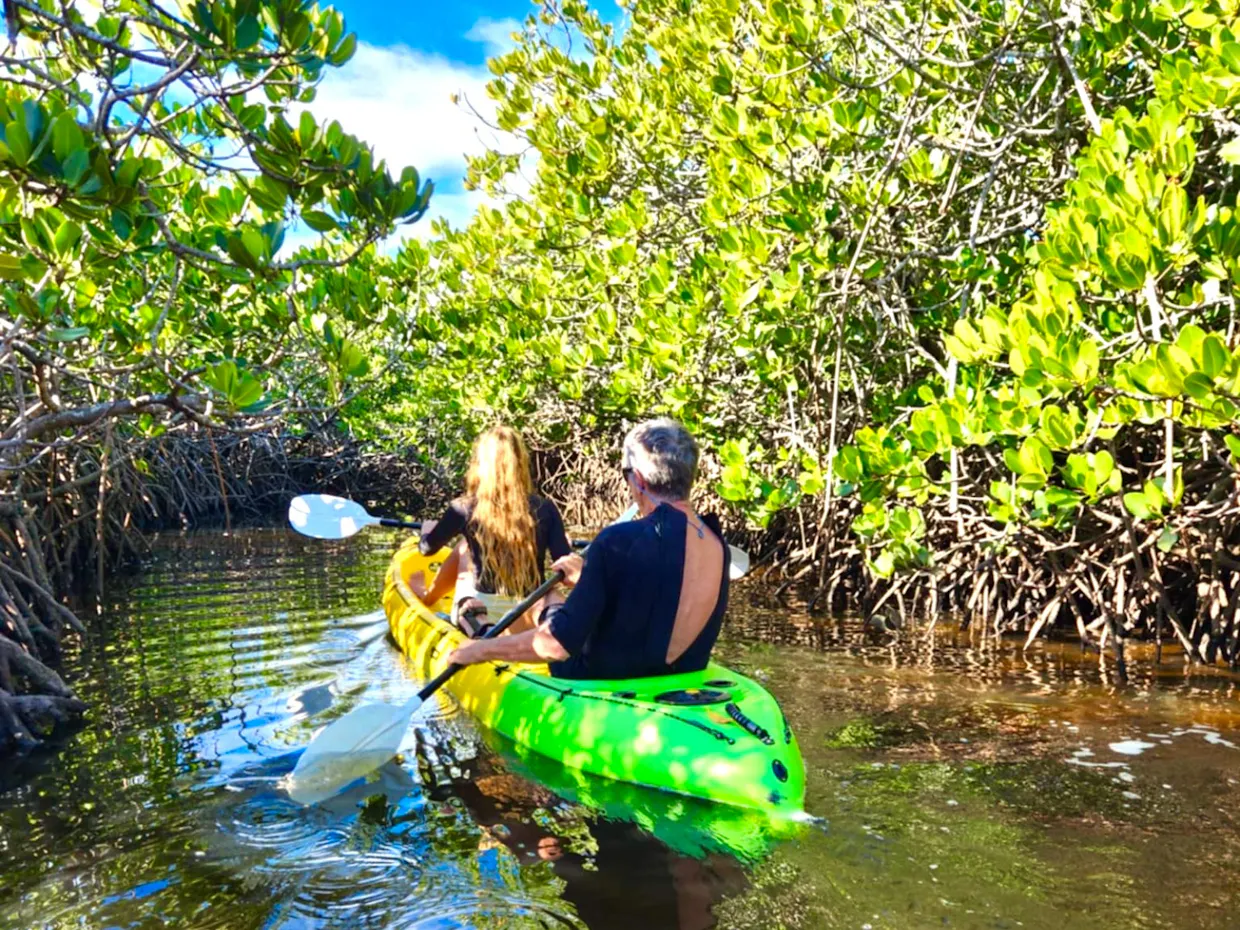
500,486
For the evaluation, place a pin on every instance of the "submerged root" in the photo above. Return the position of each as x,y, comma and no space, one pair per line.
27,719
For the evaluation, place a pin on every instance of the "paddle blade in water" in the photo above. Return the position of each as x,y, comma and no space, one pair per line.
325,516
348,748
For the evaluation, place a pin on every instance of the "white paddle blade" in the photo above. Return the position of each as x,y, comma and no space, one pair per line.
325,516
739,566
348,748
628,515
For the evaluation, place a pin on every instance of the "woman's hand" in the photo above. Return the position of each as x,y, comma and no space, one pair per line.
417,584
571,566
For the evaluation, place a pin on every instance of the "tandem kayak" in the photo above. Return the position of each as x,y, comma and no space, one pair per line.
713,734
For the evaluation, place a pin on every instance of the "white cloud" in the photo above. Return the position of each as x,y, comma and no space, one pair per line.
495,34
400,101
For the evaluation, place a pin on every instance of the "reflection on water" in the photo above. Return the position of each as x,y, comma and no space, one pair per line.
959,781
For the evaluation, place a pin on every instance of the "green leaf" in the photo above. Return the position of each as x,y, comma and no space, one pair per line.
1214,355
254,244
1104,465
1035,457
344,51
1031,481
883,565
1167,539
1199,19
240,254
68,335
1138,506
67,238
76,166
237,386
248,32
353,361
121,224
320,221
1198,386
18,142
306,130
66,136
1154,495
11,268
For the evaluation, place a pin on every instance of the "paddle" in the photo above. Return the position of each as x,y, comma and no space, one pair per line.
325,516
367,736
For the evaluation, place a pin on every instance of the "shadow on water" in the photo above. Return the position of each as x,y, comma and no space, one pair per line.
961,782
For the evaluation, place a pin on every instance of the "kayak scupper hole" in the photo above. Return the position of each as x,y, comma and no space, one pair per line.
627,695
720,683
780,770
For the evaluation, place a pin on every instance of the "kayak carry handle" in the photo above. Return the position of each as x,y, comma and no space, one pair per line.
749,725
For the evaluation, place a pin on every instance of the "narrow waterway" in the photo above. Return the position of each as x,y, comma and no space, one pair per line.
959,782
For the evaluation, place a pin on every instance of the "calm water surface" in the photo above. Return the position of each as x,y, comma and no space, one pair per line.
960,783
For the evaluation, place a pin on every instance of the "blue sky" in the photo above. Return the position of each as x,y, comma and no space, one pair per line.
396,91
443,28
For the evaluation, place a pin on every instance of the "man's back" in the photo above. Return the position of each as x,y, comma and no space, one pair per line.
704,566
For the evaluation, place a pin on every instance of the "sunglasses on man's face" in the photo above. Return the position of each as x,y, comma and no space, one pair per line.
627,471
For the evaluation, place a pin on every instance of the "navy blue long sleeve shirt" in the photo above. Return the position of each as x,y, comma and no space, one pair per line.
618,620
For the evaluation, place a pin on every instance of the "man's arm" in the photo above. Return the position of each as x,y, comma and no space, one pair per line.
537,645
566,631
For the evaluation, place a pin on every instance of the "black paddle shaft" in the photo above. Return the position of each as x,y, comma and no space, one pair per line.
505,622
399,524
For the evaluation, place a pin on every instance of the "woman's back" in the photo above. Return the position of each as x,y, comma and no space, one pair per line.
509,529
548,538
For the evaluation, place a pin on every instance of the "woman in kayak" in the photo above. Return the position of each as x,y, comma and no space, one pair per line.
651,594
507,532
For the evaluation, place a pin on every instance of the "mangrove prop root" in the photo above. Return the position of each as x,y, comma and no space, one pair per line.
1107,579
87,509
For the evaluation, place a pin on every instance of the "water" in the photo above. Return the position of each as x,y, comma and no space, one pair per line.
960,783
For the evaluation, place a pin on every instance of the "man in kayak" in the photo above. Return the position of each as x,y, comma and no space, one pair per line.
650,596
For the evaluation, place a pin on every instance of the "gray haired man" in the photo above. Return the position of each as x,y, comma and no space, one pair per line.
650,596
